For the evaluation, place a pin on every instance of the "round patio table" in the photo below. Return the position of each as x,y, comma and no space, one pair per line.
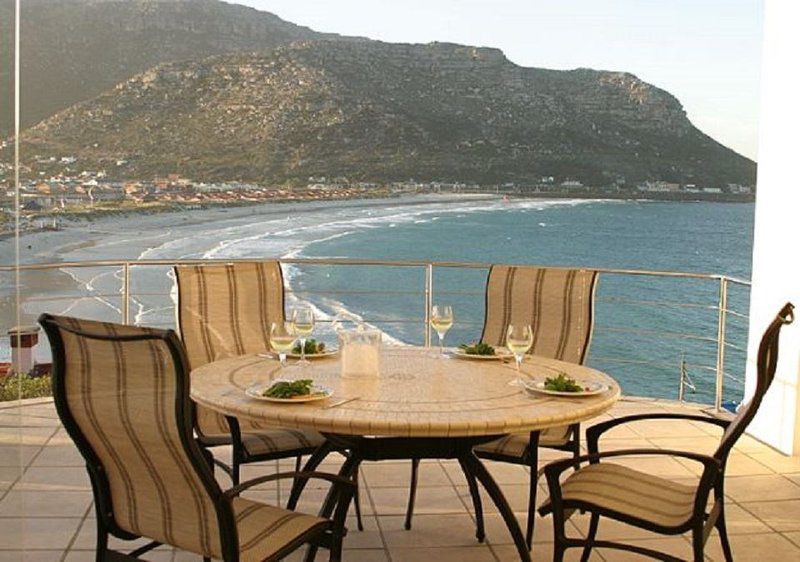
422,405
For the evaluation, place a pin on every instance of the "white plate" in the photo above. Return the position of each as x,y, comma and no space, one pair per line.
326,353
499,354
318,392
594,388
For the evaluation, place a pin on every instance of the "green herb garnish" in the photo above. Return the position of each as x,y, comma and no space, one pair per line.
562,383
312,347
478,348
289,389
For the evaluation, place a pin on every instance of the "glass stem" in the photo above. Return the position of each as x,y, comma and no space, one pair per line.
282,358
302,350
519,362
441,344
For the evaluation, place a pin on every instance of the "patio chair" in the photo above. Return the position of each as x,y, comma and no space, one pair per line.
122,394
225,310
559,306
649,502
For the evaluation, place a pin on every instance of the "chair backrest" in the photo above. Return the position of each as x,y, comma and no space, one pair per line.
122,393
226,310
767,361
557,303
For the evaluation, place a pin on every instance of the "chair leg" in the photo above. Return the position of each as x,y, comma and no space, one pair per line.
357,502
101,546
533,462
697,544
590,537
576,444
412,493
723,536
480,532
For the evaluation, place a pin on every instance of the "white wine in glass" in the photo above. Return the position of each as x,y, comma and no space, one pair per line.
281,338
303,319
441,321
519,339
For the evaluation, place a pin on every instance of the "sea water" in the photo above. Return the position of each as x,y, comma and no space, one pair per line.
645,327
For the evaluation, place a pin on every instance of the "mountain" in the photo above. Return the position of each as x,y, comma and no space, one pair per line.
380,112
73,50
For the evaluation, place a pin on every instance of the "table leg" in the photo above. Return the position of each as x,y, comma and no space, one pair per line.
349,470
480,534
311,465
476,468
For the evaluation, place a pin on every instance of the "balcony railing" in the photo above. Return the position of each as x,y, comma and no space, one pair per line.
661,315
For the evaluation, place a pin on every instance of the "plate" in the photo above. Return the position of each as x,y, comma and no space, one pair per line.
499,354
324,354
594,388
318,392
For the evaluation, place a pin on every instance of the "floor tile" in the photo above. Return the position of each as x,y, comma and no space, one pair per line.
428,531
31,555
44,504
54,478
779,515
761,488
393,501
676,546
754,547
39,533
778,462
383,474
443,554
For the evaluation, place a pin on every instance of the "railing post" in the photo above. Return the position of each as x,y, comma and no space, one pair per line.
428,302
721,322
126,293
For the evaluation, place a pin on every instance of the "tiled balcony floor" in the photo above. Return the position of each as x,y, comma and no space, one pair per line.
46,505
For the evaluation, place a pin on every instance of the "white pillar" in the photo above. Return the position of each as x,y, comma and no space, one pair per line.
776,250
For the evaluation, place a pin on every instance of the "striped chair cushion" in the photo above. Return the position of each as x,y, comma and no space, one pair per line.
557,303
632,493
263,529
515,446
122,395
269,441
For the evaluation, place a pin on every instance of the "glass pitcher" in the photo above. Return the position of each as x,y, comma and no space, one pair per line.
360,350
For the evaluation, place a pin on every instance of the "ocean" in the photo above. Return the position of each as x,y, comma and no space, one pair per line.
645,326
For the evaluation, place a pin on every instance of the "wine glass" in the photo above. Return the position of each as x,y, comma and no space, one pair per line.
519,339
303,319
282,337
441,321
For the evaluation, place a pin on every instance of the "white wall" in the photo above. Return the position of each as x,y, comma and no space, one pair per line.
776,252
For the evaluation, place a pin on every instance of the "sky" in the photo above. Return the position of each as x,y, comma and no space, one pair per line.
705,52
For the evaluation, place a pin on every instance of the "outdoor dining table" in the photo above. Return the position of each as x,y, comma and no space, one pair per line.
421,404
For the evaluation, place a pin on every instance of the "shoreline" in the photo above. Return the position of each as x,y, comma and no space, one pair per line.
79,218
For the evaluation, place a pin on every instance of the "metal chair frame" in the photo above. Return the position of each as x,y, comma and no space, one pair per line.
328,535
712,480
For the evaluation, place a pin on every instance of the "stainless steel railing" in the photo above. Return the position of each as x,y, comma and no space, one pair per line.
722,305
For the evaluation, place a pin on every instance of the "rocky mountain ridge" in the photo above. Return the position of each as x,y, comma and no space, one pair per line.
375,111
72,50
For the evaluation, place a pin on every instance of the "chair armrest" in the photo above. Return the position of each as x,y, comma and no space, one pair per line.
594,432
335,479
557,467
